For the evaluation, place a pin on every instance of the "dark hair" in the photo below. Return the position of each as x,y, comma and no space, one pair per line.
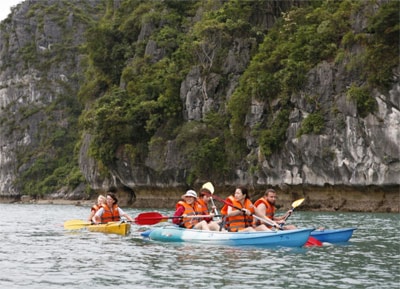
269,191
245,191
113,196
204,191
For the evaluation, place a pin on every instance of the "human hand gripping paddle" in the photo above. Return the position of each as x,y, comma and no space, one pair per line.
295,204
152,218
209,186
264,220
311,240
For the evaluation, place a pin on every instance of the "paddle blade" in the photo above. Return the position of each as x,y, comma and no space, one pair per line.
76,224
297,203
313,242
209,186
149,218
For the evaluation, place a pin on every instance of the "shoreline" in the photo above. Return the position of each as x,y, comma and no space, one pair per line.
327,200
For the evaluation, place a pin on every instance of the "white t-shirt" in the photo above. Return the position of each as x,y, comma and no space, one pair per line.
100,212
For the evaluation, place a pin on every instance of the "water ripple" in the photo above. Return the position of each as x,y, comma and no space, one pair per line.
37,252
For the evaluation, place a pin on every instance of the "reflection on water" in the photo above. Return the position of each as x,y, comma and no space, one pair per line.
36,252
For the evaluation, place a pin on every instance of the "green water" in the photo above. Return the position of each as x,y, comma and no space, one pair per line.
36,252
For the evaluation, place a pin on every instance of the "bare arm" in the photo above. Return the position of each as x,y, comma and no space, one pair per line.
262,209
125,215
232,212
97,217
92,212
128,217
259,213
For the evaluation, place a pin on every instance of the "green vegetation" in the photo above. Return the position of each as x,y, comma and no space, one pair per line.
313,123
53,163
362,96
382,51
149,106
150,100
204,146
380,40
271,139
137,55
297,43
50,162
149,111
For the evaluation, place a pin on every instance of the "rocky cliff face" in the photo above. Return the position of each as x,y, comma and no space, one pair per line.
40,70
352,150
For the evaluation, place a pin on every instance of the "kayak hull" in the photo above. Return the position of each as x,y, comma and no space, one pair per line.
289,238
119,228
333,235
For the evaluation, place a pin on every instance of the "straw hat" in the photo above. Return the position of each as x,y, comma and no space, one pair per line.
190,193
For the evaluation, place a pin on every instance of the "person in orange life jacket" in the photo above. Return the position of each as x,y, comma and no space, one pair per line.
242,220
110,212
203,200
266,205
101,200
187,209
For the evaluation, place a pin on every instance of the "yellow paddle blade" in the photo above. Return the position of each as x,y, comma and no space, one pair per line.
76,224
209,186
297,203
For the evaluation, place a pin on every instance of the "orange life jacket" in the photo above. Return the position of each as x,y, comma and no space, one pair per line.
110,216
242,221
95,208
189,211
269,209
201,208
224,209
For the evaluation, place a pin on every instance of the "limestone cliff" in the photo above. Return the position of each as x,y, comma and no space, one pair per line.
41,74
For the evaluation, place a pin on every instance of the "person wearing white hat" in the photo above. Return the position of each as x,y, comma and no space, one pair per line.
190,193
186,211
203,200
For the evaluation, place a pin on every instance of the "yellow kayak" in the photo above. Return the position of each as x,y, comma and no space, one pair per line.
119,228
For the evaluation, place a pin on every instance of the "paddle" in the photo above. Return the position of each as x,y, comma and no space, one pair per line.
151,218
209,186
76,224
295,204
269,222
311,240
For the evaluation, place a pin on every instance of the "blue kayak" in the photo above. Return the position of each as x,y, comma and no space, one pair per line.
289,238
333,235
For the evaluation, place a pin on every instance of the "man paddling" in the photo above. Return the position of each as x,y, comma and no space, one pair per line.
266,205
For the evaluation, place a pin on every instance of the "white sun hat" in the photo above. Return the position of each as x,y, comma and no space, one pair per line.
190,193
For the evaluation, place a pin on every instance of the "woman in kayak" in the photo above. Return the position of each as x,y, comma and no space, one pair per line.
239,215
186,212
101,200
203,200
110,212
